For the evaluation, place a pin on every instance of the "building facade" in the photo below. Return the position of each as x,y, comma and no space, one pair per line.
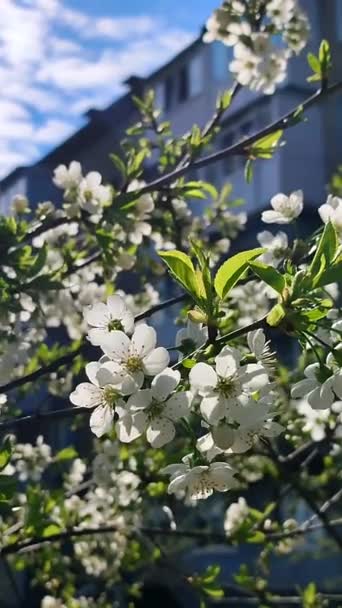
186,90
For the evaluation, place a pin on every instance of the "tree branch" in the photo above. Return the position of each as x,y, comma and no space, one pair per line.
38,541
307,497
240,148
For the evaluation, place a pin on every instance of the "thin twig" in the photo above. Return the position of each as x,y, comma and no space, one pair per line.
240,148
37,542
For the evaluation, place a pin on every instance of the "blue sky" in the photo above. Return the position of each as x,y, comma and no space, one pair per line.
60,57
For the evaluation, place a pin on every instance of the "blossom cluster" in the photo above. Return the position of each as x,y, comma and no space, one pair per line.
259,61
133,388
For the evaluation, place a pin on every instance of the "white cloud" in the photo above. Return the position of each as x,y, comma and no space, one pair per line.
56,62
53,131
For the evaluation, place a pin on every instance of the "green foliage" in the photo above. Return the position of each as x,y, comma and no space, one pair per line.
335,185
263,148
5,453
183,271
266,146
230,272
65,454
325,252
224,100
207,584
269,275
321,64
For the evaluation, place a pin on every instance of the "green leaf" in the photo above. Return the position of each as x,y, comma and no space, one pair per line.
224,100
39,262
183,271
269,275
213,592
327,247
119,164
5,453
314,63
331,275
257,537
196,136
66,454
8,486
249,170
199,189
229,273
309,596
264,147
324,56
276,315
189,363
50,530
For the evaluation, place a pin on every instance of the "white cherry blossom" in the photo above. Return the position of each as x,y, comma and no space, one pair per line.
235,516
331,211
68,178
321,387
276,245
244,64
137,356
285,208
142,212
154,410
260,347
103,393
315,421
280,11
255,420
252,419
193,335
222,387
200,481
105,318
92,194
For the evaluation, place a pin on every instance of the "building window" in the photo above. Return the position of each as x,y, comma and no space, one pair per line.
338,5
196,75
183,84
159,96
220,59
168,93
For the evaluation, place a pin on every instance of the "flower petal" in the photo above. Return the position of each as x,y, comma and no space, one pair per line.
86,395
223,436
212,409
101,420
97,335
322,397
202,378
156,361
160,432
164,383
302,388
116,345
130,427
144,340
110,373
177,484
140,400
178,406
337,385
91,370
227,362
97,315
